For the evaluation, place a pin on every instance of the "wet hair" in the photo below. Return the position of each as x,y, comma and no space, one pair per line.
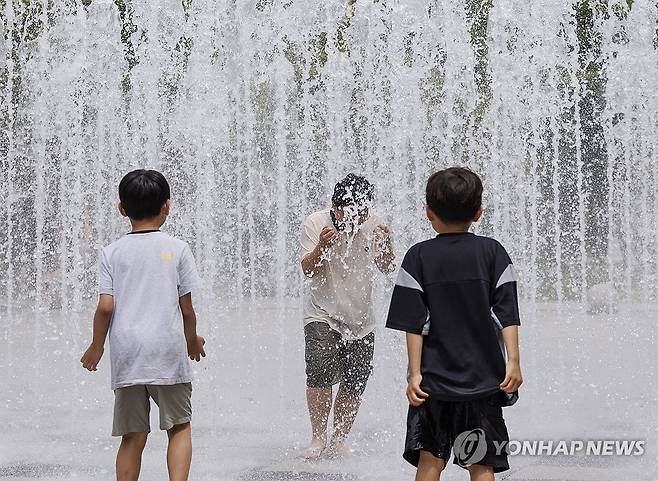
353,190
143,193
454,194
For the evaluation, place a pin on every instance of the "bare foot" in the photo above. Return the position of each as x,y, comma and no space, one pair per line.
338,450
314,450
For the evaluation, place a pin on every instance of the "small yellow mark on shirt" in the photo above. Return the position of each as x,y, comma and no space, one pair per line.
167,256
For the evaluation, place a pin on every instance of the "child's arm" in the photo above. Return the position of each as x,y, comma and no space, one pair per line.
313,260
505,312
415,394
408,312
384,255
195,342
102,318
513,377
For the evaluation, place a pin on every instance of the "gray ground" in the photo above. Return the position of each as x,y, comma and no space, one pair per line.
587,377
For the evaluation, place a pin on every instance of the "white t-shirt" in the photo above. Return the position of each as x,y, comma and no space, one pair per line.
146,273
340,292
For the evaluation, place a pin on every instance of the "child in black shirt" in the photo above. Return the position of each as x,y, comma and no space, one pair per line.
456,299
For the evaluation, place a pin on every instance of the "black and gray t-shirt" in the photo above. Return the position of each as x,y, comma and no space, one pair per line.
459,291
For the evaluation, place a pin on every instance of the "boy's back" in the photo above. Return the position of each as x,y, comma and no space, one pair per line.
147,273
459,290
456,299
145,283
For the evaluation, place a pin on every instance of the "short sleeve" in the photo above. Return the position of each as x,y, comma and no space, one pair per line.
188,277
105,283
310,236
408,310
505,302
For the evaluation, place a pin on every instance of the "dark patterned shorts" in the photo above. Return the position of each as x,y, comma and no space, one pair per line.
330,359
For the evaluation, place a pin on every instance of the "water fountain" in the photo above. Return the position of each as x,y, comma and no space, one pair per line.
253,110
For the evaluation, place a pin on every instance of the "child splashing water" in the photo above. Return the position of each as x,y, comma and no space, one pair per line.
341,248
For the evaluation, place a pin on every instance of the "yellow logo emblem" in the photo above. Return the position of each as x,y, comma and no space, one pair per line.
167,256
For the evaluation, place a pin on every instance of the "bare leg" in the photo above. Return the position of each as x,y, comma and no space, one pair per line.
481,473
129,456
319,406
179,452
429,467
346,408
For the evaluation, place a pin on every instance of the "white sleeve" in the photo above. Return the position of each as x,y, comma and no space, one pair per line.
310,237
105,285
188,277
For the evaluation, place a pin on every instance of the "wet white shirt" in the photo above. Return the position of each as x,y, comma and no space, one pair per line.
340,292
147,273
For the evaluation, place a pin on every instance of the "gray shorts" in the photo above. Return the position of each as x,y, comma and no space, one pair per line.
330,359
132,407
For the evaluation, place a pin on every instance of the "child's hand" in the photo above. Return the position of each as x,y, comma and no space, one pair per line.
385,231
92,357
195,348
327,237
513,378
383,240
415,394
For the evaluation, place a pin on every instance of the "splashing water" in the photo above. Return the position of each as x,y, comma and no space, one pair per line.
253,110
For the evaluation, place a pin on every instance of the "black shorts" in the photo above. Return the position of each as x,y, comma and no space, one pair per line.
330,359
473,430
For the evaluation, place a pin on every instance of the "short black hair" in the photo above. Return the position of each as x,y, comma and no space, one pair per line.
143,193
353,190
454,194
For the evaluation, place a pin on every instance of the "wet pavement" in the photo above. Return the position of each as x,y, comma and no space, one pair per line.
250,420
